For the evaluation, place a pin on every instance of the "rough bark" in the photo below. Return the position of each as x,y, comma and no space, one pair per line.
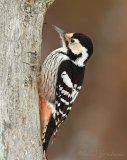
21,25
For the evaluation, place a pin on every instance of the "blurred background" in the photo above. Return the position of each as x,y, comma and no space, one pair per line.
97,126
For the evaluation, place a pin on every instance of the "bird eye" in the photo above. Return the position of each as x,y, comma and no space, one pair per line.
72,40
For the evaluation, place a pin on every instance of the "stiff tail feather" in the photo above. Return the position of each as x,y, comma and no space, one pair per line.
46,135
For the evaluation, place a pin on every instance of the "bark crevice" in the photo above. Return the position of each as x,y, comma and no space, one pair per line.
21,24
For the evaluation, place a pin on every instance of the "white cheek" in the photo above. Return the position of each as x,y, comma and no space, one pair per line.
75,48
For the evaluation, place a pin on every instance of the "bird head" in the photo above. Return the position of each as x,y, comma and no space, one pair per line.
77,44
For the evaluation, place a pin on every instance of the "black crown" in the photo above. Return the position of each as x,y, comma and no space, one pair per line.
85,41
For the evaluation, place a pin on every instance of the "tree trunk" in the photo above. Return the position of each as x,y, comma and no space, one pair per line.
20,33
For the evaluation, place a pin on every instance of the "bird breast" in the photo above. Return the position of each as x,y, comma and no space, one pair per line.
48,76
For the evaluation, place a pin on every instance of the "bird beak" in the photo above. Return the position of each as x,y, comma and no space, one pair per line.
60,31
64,35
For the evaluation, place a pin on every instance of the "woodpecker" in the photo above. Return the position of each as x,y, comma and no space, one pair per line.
61,79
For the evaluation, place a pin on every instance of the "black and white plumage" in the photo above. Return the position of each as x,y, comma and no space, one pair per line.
61,79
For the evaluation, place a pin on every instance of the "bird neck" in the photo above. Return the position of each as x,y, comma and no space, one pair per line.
78,59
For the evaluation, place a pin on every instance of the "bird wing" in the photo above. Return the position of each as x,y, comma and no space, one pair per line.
69,82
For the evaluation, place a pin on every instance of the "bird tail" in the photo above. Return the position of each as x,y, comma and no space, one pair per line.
47,134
